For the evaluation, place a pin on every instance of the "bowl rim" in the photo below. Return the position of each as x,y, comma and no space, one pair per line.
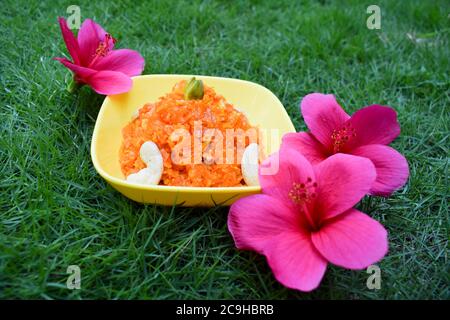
124,183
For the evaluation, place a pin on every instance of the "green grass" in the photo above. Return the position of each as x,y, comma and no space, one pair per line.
55,210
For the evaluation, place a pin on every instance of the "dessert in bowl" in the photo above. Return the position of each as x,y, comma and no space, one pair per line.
192,128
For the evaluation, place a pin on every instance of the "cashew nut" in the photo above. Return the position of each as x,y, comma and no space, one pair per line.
152,157
249,165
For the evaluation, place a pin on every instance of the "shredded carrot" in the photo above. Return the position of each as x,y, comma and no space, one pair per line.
157,121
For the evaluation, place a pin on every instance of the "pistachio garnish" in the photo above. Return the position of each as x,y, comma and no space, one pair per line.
193,90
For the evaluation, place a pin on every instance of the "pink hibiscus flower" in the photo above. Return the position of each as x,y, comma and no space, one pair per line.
305,218
95,63
366,133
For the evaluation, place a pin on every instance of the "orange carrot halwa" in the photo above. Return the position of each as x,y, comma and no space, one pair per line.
157,121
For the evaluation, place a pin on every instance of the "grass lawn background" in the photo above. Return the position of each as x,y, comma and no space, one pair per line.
55,210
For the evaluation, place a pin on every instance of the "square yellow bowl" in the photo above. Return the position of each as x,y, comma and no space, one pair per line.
259,104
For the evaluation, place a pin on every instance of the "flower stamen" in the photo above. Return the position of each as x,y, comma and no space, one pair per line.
103,48
341,137
304,192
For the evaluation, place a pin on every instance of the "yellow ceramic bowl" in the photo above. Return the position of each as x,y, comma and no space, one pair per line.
260,105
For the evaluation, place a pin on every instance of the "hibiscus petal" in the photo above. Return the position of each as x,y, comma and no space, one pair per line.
391,166
373,125
69,39
291,167
89,37
309,146
127,61
266,225
342,181
352,240
295,262
322,115
255,220
81,73
110,82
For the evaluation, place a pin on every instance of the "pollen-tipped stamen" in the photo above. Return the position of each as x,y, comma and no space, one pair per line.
341,137
304,192
103,48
